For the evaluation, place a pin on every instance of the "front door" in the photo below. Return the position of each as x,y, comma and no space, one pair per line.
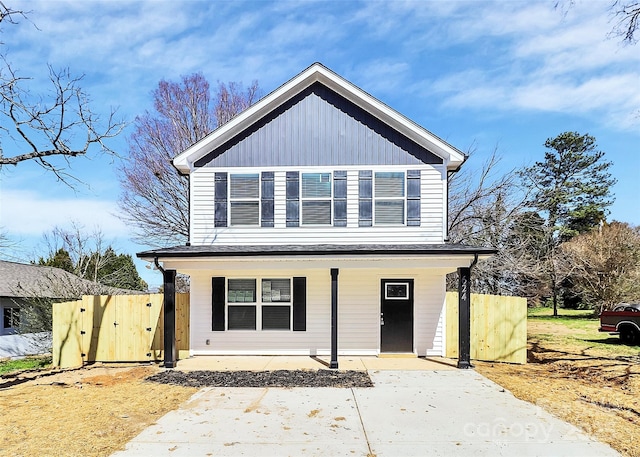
396,315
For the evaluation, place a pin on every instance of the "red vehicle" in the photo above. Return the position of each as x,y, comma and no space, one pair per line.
623,319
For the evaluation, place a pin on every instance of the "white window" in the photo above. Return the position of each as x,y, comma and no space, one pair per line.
389,197
244,199
316,198
272,311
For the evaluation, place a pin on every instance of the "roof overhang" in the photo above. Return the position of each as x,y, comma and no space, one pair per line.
316,250
451,156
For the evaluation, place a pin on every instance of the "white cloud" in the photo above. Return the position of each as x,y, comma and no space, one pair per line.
28,213
536,59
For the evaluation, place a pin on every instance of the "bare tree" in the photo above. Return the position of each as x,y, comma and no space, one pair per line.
473,192
483,208
48,128
86,250
605,264
625,14
154,199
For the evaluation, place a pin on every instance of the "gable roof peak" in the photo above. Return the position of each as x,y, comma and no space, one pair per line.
317,72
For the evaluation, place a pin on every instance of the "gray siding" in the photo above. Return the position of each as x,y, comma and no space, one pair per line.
318,128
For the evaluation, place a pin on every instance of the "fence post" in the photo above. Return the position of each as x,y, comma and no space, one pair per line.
169,318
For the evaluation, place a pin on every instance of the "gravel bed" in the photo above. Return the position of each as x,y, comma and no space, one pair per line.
277,378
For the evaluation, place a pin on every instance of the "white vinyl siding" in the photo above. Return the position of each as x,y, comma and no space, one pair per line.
430,230
358,305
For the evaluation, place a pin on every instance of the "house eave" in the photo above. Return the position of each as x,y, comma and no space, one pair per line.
318,251
451,156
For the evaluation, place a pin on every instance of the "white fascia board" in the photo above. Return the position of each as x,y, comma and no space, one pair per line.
446,263
452,157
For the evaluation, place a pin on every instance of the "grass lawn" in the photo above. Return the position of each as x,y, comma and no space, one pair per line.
29,363
577,329
579,374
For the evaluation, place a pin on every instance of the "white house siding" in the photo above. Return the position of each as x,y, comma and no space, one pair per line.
358,305
430,231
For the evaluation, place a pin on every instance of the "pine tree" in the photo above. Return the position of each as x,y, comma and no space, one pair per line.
571,191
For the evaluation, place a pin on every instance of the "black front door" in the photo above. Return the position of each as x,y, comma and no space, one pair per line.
396,315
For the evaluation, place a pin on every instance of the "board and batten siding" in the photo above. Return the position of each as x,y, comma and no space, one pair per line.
359,313
432,214
318,128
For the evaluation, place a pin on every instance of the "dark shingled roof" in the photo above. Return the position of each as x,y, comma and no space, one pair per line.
23,280
316,250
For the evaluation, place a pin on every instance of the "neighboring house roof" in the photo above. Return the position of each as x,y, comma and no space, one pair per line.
317,73
318,250
20,280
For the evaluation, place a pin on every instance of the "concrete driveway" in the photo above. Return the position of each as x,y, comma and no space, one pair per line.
407,413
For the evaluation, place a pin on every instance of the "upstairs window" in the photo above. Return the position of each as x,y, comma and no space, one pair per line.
316,198
389,196
244,199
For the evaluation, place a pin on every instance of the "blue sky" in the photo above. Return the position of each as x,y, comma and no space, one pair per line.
481,75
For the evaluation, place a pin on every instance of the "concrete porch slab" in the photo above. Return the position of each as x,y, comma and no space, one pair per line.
272,363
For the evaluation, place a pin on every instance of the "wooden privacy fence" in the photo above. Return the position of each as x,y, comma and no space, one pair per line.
498,328
130,328
115,328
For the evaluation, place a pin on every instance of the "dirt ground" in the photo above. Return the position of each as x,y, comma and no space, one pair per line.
596,392
97,410
88,412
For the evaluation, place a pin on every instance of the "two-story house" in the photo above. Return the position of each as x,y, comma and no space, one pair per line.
318,226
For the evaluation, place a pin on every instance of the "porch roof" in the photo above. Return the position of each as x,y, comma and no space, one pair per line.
446,249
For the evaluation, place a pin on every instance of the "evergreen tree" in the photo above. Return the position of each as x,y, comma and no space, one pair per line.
61,259
572,186
571,191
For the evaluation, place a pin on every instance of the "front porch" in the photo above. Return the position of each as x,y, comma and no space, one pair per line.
272,363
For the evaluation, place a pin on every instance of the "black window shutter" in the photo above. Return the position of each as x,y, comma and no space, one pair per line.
365,201
217,304
299,304
340,198
267,199
220,200
293,199
413,197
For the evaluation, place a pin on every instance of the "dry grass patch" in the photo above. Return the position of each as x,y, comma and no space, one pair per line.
584,377
88,412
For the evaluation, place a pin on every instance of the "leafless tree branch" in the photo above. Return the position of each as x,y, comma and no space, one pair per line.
51,127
